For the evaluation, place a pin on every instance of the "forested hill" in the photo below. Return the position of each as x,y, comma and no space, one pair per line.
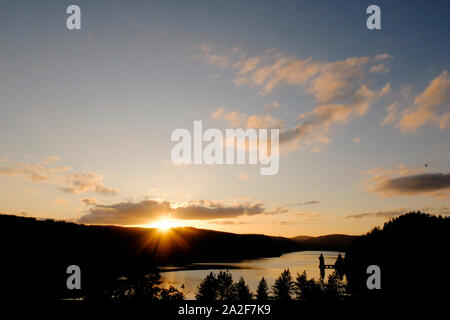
333,242
35,253
410,251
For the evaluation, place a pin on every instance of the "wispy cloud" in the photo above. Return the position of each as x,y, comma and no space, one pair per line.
305,203
341,89
388,214
237,119
379,214
48,171
89,201
228,222
271,106
431,106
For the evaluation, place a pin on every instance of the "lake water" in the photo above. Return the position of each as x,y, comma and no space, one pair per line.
253,270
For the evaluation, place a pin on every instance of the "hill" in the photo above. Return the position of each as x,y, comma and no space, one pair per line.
301,238
331,242
410,251
36,253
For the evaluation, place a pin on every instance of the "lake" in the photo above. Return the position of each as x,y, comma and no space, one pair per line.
252,270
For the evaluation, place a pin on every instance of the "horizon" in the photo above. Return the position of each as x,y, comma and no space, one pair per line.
164,229
363,115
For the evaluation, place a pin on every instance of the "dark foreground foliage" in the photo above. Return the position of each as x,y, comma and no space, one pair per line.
411,252
285,289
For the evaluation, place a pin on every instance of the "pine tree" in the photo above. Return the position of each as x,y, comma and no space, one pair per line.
242,290
283,286
262,293
225,285
208,288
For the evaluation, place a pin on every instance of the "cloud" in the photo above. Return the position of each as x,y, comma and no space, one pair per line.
278,210
401,181
220,60
228,222
48,171
379,214
315,126
217,211
379,68
20,214
306,203
420,183
340,88
304,217
432,106
271,106
143,212
396,212
82,182
236,119
89,201
391,114
326,80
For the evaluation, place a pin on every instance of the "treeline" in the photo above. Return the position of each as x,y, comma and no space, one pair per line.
221,286
411,252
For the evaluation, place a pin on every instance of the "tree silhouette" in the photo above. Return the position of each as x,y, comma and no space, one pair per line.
311,290
334,288
171,294
283,286
142,288
145,287
300,285
242,291
208,288
308,289
225,285
262,292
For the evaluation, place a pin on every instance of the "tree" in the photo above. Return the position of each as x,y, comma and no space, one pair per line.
334,287
242,291
312,290
262,292
225,285
283,286
143,288
208,288
308,289
171,294
300,285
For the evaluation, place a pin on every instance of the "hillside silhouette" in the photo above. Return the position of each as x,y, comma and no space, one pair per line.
332,242
35,253
411,251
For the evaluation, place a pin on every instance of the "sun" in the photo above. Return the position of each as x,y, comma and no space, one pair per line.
164,225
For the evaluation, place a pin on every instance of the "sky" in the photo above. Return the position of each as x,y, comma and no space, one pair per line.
86,115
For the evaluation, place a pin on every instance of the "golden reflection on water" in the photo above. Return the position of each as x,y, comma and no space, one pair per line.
254,270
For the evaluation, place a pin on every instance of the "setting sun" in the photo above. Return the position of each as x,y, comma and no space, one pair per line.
164,225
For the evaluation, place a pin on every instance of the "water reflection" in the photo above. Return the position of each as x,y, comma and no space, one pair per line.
253,270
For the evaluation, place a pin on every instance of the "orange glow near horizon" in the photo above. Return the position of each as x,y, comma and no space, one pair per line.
164,224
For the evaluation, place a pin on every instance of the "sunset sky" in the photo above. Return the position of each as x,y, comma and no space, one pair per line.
364,115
